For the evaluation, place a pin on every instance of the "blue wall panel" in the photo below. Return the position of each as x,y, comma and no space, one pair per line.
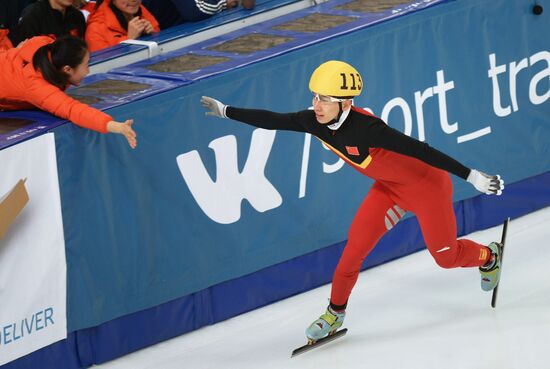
177,246
225,300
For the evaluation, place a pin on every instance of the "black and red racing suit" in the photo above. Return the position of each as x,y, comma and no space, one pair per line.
409,176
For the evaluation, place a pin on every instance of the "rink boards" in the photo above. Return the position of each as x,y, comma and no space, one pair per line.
209,218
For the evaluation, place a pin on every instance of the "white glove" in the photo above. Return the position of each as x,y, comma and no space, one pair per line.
490,185
217,108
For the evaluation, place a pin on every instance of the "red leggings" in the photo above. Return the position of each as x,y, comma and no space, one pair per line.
431,201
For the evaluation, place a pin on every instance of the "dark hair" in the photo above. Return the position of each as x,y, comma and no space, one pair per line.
51,58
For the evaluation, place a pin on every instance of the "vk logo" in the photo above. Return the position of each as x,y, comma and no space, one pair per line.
221,199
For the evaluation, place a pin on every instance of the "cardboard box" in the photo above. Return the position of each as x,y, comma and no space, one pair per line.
11,205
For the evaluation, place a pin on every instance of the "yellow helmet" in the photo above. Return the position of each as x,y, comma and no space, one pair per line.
336,78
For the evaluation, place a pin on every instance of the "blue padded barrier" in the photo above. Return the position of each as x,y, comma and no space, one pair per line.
154,87
227,16
121,336
114,52
188,29
299,40
37,122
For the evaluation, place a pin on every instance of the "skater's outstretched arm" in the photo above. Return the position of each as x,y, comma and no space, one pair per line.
255,117
388,138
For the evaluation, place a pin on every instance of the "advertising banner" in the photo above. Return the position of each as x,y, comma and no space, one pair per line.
32,250
204,200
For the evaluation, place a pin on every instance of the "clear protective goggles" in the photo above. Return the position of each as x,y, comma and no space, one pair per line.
326,99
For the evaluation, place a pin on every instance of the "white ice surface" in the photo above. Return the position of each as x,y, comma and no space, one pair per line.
406,314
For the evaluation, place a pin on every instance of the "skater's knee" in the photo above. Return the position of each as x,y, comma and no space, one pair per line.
446,257
445,263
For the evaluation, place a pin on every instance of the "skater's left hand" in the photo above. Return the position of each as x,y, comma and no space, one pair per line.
490,185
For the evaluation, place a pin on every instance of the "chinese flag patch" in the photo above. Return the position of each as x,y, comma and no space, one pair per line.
352,150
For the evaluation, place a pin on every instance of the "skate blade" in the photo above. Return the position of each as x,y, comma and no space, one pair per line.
314,344
502,242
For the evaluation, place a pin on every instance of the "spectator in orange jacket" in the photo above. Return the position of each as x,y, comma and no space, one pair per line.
37,74
118,20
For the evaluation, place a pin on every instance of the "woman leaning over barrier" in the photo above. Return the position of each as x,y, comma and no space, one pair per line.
37,75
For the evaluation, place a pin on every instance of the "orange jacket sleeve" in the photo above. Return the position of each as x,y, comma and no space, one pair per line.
53,100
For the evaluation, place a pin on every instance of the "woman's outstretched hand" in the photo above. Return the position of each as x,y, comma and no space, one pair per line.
124,129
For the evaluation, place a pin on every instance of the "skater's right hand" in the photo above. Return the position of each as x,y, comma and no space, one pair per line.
490,185
217,108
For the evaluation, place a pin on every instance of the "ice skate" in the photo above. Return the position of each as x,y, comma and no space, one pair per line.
326,325
323,331
490,274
